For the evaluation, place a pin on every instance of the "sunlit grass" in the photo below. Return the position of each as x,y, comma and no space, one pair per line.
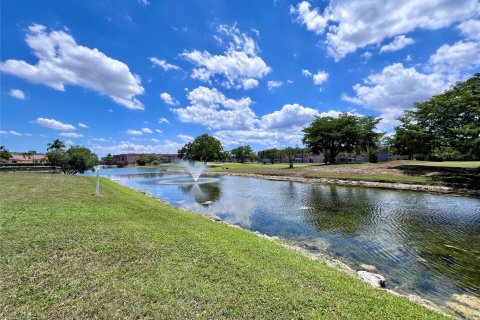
450,173
68,254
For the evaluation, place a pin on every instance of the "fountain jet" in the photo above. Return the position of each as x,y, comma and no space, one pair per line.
195,169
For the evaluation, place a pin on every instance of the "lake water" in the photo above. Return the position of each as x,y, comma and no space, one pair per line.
424,244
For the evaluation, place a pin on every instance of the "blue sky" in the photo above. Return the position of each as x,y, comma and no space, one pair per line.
147,76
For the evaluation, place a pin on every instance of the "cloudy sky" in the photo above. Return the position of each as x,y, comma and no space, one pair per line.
147,75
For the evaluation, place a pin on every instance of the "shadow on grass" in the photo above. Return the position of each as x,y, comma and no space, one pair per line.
454,177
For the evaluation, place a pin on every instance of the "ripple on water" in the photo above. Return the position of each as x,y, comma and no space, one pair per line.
186,180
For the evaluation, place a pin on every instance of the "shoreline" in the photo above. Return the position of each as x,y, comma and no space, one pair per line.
356,183
319,256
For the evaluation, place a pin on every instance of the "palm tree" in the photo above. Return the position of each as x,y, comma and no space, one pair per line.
56,145
27,155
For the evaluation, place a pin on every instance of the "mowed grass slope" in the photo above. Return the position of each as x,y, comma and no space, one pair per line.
66,253
460,174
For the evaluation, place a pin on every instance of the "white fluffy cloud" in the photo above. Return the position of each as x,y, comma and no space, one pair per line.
349,25
278,129
272,84
82,125
163,120
17,94
164,64
306,73
134,132
331,113
168,99
395,89
71,135
234,122
398,43
185,137
167,146
139,132
266,138
312,19
453,60
320,77
239,66
54,124
470,29
290,116
61,62
249,83
11,132
209,107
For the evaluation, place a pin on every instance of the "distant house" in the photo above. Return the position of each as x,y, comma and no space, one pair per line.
131,158
303,156
126,157
28,158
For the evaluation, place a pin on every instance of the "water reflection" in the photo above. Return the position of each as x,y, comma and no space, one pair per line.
204,194
426,244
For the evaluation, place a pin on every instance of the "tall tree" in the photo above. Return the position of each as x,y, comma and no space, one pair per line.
445,127
108,159
56,151
346,133
243,153
78,160
56,145
270,154
290,153
410,139
225,155
203,148
5,155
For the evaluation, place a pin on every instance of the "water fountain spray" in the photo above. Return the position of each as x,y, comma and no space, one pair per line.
195,169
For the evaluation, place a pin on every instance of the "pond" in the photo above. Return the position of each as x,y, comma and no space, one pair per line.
424,244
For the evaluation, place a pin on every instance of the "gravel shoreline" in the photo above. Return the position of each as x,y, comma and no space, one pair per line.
356,183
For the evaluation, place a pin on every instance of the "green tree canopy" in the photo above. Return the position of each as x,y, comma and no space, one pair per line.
243,153
225,155
270,154
5,155
445,127
203,148
78,160
346,133
147,159
56,145
108,159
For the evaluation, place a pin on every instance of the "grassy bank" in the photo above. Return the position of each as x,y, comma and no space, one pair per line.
455,174
66,253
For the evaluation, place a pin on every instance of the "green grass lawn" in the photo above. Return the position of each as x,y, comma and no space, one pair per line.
449,173
66,253
447,164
